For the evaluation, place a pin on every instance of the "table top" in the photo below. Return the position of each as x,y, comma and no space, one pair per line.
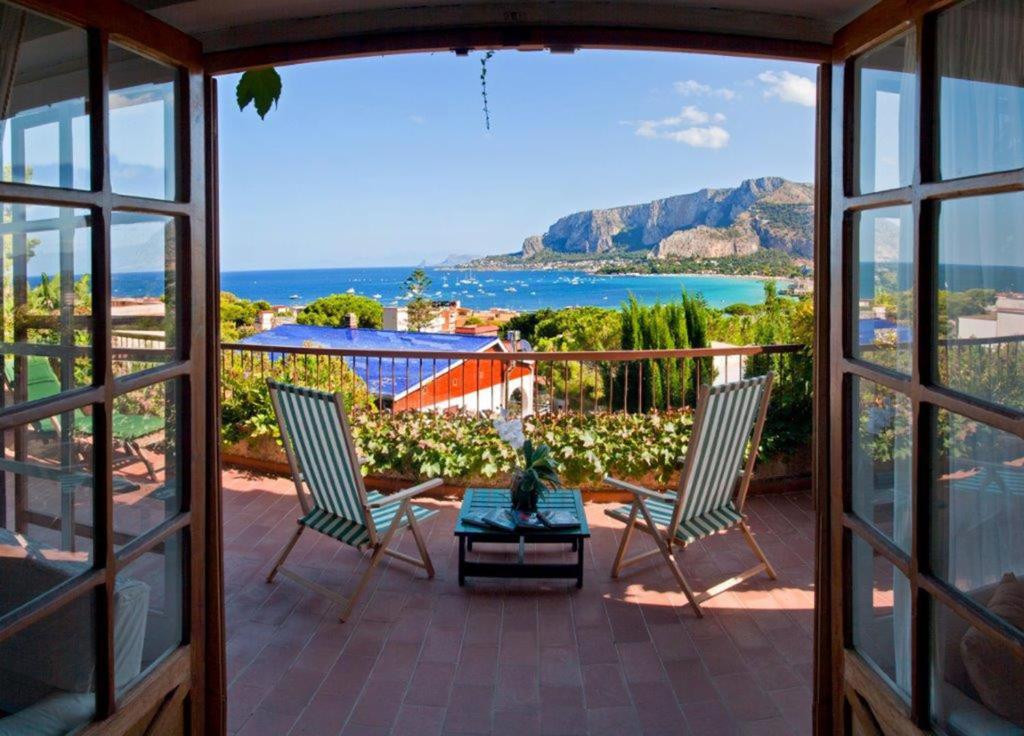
484,499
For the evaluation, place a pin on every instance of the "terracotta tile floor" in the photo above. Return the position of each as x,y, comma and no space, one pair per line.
426,657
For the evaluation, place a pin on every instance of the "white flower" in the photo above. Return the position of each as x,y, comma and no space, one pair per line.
511,431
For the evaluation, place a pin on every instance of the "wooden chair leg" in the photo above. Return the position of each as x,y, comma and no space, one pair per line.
420,543
285,552
758,551
378,555
624,543
375,558
666,552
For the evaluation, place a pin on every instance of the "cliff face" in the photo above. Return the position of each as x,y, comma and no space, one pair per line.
770,212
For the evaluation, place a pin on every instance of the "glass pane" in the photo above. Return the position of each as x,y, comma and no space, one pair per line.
47,301
977,512
880,461
44,128
146,472
886,118
46,478
981,88
976,681
151,587
880,613
144,290
48,672
981,297
884,252
142,131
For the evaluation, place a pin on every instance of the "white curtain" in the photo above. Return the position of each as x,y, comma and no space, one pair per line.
986,507
901,512
12,23
981,65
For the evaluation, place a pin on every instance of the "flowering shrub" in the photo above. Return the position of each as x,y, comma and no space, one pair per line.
462,446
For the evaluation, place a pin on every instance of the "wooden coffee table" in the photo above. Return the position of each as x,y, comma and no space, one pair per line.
485,499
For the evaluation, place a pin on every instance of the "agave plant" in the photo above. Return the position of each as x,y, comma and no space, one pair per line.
535,478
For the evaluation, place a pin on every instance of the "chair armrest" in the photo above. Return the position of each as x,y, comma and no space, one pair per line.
407,493
635,490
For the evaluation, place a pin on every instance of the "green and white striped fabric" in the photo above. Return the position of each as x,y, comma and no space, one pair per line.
325,458
718,451
716,456
688,531
355,534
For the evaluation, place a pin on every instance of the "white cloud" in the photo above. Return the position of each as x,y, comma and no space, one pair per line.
711,136
418,119
693,88
789,87
690,126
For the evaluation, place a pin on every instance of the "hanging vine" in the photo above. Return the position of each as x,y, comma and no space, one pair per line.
483,87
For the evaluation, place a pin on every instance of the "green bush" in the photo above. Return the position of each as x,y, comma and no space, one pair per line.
246,410
333,311
586,447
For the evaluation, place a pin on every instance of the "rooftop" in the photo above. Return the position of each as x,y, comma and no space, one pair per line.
618,656
365,338
382,377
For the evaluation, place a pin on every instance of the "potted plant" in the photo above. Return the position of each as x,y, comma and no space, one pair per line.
536,474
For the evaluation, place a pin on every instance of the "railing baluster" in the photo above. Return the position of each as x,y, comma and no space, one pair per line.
407,387
537,380
625,389
640,388
581,385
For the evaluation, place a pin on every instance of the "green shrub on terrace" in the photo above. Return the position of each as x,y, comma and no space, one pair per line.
458,446
246,410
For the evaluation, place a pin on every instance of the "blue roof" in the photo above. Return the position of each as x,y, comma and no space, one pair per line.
386,377
868,327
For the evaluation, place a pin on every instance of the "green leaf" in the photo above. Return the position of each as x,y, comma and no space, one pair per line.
262,87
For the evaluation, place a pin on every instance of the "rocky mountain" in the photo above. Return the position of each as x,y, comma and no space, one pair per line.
454,259
770,212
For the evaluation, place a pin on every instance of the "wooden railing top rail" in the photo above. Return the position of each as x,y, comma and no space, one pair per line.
577,355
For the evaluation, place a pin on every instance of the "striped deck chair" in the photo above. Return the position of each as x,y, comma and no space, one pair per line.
334,500
708,499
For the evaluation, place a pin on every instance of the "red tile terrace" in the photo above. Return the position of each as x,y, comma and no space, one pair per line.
427,657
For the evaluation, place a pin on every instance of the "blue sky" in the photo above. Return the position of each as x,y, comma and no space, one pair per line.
385,161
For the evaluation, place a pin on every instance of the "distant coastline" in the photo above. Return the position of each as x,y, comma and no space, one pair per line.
520,290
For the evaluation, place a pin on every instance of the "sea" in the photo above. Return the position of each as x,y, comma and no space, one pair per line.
518,290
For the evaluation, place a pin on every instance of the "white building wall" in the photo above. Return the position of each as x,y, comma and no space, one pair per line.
396,318
728,368
1009,324
968,327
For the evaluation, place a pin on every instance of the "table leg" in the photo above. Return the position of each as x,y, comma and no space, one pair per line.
579,563
462,561
469,545
573,545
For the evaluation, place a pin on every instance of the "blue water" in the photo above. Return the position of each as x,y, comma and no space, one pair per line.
519,290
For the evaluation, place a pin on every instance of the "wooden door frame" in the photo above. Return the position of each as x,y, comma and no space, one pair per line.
132,27
177,686
858,692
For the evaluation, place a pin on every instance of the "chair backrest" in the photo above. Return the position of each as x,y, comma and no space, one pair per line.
728,417
320,450
40,383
